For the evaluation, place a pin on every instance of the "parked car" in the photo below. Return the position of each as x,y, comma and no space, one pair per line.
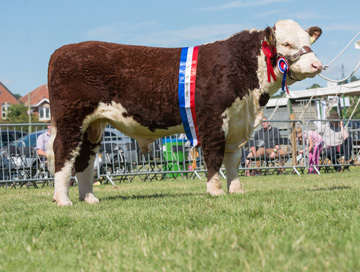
117,150
8,136
21,152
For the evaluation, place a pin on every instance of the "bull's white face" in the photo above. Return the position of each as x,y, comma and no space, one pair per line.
290,39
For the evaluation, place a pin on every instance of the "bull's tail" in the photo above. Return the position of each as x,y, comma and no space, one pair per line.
50,149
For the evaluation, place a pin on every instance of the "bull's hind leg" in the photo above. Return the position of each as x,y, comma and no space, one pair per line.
231,162
66,147
85,171
62,183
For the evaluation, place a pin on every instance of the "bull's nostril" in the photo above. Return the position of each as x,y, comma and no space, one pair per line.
317,65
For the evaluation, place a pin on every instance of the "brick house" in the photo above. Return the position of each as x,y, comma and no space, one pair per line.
39,101
6,99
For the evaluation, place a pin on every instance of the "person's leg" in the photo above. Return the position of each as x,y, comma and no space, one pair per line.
317,152
281,154
311,160
346,148
248,163
331,154
260,153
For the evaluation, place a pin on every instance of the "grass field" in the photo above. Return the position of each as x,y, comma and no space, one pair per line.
282,223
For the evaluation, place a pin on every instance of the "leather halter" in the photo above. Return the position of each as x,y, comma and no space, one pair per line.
292,58
296,56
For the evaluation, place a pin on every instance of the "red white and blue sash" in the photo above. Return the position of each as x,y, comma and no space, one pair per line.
187,81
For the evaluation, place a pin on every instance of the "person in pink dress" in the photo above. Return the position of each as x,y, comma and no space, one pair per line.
313,146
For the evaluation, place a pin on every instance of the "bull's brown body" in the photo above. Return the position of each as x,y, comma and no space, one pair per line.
144,81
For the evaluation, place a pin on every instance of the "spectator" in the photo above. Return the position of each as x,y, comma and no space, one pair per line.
314,32
41,147
41,143
245,155
313,146
271,137
336,141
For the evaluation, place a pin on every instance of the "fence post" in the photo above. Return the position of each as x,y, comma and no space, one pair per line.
293,140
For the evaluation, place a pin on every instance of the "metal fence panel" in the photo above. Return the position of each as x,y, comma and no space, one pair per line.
120,157
340,144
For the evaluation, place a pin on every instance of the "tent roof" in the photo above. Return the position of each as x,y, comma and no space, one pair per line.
349,89
273,102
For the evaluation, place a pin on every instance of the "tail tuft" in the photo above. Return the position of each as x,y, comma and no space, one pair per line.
50,149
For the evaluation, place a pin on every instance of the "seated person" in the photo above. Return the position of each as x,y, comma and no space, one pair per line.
313,147
245,155
336,141
271,136
41,144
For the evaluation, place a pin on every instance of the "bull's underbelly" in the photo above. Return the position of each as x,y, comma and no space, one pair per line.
115,115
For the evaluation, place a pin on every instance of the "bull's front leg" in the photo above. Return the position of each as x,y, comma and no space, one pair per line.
213,156
231,162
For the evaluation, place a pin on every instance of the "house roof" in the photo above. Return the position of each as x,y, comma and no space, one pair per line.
7,96
38,95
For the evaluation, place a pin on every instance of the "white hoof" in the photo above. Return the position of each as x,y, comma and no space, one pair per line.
90,199
64,203
236,188
236,192
216,192
215,189
214,186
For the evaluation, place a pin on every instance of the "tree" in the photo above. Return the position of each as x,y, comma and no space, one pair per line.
18,96
314,86
354,100
354,78
278,94
17,113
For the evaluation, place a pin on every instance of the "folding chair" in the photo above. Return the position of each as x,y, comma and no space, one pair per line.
113,161
39,166
19,169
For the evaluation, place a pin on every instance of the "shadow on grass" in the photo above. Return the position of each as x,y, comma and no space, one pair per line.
148,196
331,188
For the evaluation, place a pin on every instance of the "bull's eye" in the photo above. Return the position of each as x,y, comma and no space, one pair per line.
287,45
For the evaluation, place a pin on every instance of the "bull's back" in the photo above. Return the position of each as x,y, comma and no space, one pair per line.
142,79
115,66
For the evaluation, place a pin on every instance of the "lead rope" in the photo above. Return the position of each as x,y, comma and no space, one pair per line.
326,66
277,106
357,104
306,107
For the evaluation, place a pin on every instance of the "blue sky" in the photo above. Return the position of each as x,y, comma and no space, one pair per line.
31,30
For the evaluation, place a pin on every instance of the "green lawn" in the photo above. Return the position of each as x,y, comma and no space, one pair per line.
282,223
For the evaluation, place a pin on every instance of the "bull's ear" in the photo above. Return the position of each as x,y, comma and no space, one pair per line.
270,36
314,33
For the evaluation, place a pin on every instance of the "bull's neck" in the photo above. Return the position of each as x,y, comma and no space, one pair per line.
269,87
265,86
246,50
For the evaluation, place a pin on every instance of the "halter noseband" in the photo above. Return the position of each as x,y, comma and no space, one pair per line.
296,56
293,58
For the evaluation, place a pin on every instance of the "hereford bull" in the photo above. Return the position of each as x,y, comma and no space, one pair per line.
135,89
